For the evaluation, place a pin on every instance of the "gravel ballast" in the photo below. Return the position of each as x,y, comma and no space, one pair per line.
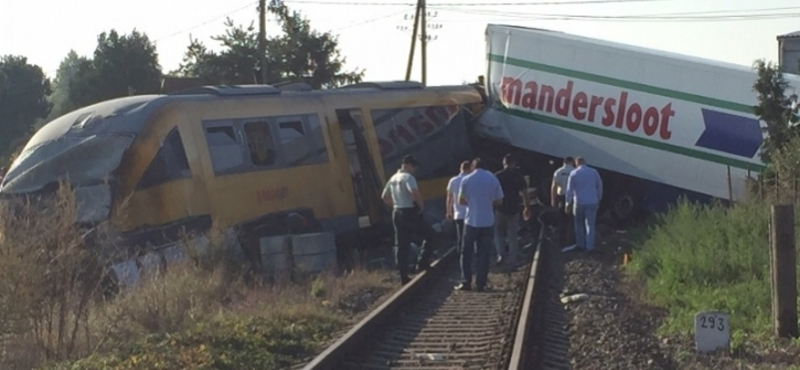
614,329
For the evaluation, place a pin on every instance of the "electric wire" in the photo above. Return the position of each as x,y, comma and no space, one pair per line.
655,17
371,20
517,3
206,22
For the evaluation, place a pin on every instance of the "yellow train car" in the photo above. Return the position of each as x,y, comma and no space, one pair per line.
249,156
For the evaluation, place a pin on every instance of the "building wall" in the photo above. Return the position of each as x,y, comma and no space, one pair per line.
789,54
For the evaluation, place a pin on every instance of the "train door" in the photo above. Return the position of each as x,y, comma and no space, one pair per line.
367,186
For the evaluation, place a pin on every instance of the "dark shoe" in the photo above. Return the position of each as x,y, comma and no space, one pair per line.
404,280
423,267
480,288
463,286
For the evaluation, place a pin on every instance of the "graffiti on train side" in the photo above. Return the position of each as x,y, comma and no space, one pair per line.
401,128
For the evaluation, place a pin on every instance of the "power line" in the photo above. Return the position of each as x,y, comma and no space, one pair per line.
668,17
725,11
206,22
522,3
355,24
676,20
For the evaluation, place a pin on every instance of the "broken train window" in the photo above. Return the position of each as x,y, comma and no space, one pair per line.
169,164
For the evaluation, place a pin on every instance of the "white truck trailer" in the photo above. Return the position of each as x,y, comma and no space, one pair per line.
656,124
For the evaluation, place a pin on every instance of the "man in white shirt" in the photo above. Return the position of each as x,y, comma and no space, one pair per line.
402,194
480,191
557,191
455,211
584,193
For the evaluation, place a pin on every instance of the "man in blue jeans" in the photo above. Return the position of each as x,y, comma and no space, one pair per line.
584,192
456,211
480,191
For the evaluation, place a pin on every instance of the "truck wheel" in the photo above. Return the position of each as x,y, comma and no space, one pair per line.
624,208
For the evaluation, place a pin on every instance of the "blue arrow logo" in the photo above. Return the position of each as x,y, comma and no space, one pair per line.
730,133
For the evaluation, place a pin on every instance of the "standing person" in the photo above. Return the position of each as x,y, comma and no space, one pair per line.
507,214
584,192
557,191
456,211
402,194
480,191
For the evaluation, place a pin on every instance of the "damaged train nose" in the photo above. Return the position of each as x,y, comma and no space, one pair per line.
86,163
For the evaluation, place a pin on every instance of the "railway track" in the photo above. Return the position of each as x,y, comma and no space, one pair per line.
428,325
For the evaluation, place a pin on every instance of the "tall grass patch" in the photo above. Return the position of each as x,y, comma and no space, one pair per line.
55,312
709,257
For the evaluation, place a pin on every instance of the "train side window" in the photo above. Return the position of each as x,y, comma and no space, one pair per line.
226,151
291,131
169,164
316,139
302,142
261,143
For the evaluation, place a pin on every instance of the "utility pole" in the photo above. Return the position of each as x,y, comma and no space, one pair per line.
262,38
413,39
424,43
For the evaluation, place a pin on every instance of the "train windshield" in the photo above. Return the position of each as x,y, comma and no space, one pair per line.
82,147
81,161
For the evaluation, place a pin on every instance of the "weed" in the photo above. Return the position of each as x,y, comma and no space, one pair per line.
318,288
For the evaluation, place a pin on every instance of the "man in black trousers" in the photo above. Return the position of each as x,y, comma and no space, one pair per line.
402,194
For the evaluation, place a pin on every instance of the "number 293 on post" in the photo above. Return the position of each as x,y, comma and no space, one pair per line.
711,331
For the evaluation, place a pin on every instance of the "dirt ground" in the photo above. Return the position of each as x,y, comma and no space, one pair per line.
615,329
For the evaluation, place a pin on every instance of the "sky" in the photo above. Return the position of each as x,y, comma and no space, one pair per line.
375,35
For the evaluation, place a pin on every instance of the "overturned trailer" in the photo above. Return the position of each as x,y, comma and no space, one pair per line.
656,124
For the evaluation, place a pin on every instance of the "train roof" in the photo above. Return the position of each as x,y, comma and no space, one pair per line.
127,115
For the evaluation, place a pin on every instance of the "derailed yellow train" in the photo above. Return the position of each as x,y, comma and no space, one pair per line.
248,156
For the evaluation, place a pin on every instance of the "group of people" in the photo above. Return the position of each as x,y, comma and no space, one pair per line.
485,208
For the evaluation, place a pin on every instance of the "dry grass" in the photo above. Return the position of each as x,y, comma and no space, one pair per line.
48,279
196,314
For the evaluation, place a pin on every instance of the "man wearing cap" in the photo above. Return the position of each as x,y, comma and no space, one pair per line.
402,194
480,191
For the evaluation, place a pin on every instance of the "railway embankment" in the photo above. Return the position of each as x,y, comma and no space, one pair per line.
195,315
694,258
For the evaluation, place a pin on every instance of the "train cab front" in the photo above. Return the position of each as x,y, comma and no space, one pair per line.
82,149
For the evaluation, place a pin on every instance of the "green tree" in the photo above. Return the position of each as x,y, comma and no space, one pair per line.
122,65
775,108
299,54
67,70
23,99
235,65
